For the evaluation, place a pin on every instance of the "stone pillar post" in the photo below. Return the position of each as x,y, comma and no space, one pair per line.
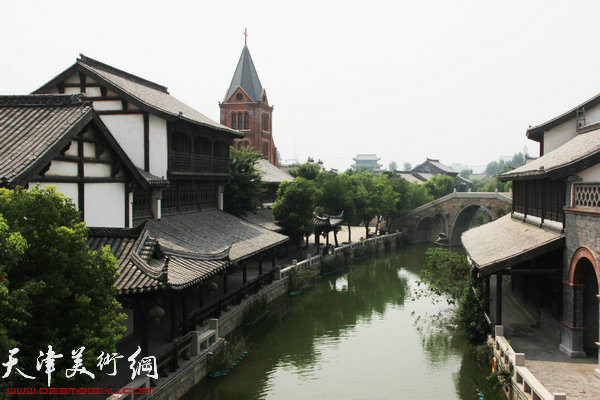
572,324
498,299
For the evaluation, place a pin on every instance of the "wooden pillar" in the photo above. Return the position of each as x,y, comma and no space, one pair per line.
317,240
145,329
273,256
184,311
498,299
486,294
244,272
260,267
327,239
173,313
225,282
201,294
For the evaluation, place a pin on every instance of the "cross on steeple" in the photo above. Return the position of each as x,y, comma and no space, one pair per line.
245,35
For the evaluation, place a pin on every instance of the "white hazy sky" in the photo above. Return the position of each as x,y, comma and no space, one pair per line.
454,80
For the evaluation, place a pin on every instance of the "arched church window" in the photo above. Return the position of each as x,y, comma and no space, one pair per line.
246,120
239,121
233,121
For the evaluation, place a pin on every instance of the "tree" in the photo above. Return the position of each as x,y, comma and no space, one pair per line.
393,166
335,195
401,187
466,173
440,185
242,195
294,206
418,195
407,166
363,198
517,160
383,199
53,289
309,170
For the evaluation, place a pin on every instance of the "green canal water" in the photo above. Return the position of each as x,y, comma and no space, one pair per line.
359,334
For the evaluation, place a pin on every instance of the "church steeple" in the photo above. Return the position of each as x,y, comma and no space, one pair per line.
247,109
245,77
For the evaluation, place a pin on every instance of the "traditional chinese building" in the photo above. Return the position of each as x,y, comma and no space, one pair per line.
431,167
246,108
148,173
548,249
370,162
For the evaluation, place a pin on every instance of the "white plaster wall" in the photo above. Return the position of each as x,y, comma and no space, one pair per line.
73,78
93,91
96,170
108,105
592,115
72,150
591,174
89,149
72,90
128,130
559,135
104,204
158,146
62,168
68,189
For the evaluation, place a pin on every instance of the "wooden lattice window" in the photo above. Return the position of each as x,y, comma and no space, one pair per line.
141,204
246,120
233,121
181,143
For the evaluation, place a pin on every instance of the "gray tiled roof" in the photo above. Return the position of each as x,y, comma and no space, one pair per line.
437,165
245,76
272,174
152,180
505,241
140,270
212,231
409,177
264,217
32,126
139,91
570,154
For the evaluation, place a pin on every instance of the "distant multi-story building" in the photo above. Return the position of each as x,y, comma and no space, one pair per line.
368,161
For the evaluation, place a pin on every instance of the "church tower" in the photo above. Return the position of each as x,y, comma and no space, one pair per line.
247,109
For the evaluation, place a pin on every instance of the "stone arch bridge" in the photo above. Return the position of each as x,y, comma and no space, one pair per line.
452,214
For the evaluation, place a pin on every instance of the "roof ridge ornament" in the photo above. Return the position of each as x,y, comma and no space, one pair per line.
245,36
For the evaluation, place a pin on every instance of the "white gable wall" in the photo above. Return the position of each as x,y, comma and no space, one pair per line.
105,204
566,131
158,146
128,130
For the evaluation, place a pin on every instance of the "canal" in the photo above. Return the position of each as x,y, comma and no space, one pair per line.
359,334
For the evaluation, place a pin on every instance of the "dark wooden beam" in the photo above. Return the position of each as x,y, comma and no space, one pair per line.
82,78
146,142
126,207
119,112
80,175
531,271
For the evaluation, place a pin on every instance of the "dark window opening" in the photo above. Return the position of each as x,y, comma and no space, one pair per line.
181,142
233,123
246,120
202,146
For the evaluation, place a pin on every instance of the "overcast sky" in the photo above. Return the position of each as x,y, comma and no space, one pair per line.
455,80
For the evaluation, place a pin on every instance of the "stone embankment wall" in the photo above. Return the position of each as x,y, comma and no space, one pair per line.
208,340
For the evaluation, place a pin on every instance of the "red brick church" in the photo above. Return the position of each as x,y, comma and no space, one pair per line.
247,109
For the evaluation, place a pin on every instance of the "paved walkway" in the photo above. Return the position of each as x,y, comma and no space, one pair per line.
554,369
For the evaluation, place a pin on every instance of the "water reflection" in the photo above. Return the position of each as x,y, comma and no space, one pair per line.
354,335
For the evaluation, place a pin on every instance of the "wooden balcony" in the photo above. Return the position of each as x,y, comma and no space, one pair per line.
197,163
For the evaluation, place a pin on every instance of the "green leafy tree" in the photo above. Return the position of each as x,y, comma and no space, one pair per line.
294,207
383,199
440,185
418,195
363,198
407,166
335,195
54,290
242,195
393,166
401,187
309,170
466,173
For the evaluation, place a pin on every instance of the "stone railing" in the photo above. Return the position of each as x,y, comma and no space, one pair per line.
312,261
522,380
503,196
586,195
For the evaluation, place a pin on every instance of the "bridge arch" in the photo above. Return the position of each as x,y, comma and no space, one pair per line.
423,229
463,219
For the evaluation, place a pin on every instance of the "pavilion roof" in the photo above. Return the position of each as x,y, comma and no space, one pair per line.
246,77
